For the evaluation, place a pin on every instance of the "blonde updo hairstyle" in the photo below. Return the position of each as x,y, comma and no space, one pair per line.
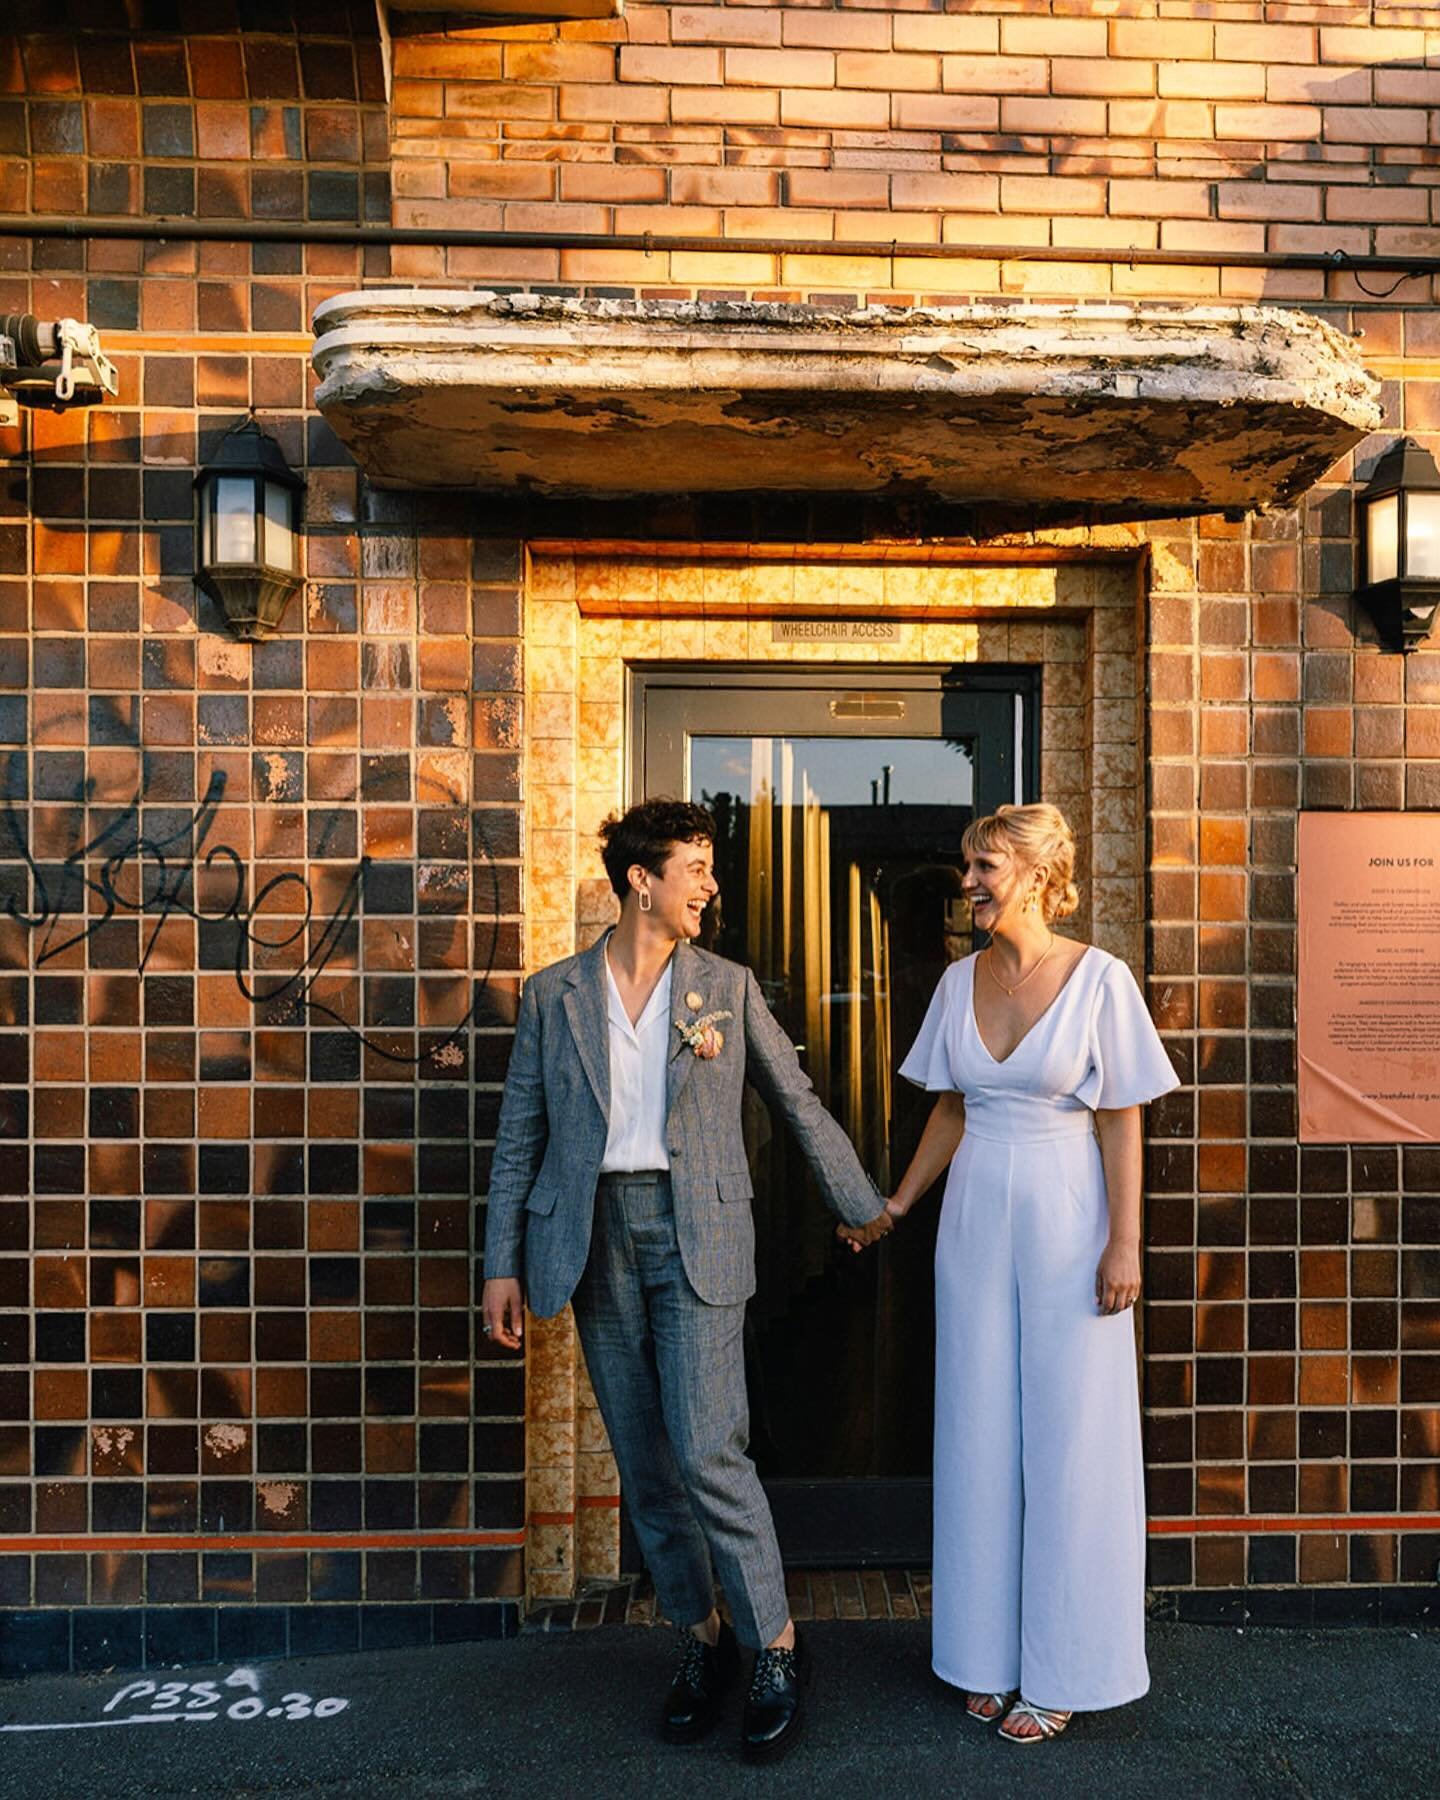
1034,835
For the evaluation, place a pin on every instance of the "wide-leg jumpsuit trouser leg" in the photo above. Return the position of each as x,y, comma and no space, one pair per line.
1039,1498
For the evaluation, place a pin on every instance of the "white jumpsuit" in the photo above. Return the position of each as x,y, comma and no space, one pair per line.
1039,1562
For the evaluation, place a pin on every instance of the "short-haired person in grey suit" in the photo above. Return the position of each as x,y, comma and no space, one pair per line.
620,1183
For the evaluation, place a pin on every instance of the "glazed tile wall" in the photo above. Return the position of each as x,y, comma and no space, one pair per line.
1287,1398
1291,1321
262,932
1289,1365
258,919
235,1237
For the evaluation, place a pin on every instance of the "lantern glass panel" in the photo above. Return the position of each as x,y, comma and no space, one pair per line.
1382,540
1422,535
234,515
279,533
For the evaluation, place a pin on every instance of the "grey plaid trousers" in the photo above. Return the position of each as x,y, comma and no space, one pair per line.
668,1370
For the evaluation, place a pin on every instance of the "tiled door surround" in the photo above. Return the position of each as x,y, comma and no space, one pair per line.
591,611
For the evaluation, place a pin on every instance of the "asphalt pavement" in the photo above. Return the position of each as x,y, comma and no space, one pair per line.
1258,1712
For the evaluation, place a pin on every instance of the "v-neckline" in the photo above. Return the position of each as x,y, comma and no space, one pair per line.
1020,1043
636,1026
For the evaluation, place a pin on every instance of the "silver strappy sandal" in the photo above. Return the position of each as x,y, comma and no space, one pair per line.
999,1704
1050,1724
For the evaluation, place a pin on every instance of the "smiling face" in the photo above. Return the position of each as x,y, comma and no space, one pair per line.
680,892
998,887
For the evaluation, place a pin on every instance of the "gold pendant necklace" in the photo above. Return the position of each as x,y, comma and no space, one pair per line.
990,966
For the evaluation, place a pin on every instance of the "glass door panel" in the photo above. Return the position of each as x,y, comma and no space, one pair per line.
837,854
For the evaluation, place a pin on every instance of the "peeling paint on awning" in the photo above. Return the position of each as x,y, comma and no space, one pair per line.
1141,409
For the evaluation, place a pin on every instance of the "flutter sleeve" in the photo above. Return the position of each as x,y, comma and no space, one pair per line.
928,1064
1128,1064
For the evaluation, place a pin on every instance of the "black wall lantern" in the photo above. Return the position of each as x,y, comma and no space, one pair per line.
1400,545
247,547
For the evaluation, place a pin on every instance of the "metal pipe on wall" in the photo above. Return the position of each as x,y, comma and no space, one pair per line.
313,231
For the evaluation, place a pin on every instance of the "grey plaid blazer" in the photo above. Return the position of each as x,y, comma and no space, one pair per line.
554,1123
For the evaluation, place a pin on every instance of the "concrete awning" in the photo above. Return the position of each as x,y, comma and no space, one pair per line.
1148,410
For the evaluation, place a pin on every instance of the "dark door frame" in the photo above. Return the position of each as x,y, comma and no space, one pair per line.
842,680
818,1522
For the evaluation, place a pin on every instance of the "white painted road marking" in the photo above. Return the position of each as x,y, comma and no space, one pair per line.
165,1703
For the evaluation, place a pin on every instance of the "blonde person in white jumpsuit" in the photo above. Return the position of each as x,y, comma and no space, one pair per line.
1042,1054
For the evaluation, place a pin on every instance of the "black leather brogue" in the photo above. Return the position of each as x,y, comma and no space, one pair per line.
774,1707
706,1674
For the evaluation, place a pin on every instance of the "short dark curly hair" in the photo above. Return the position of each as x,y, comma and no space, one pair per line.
647,833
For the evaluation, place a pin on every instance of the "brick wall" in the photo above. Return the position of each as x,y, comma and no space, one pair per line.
1232,127
236,1367
1290,1376
235,1234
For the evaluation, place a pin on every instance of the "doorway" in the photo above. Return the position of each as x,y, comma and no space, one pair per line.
840,797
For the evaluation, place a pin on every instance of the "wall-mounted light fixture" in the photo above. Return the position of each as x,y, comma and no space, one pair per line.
51,366
1400,545
247,540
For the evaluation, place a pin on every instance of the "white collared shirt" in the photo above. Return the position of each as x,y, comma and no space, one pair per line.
639,1054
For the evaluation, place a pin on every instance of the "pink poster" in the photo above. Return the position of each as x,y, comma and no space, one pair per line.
1369,978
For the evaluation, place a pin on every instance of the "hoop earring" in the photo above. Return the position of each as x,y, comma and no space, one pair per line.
645,900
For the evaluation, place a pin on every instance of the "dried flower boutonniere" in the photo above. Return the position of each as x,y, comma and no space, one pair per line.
703,1035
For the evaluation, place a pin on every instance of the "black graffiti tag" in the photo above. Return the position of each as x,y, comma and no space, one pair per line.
127,869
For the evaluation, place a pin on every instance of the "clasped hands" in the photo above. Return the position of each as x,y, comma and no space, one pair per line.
861,1237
